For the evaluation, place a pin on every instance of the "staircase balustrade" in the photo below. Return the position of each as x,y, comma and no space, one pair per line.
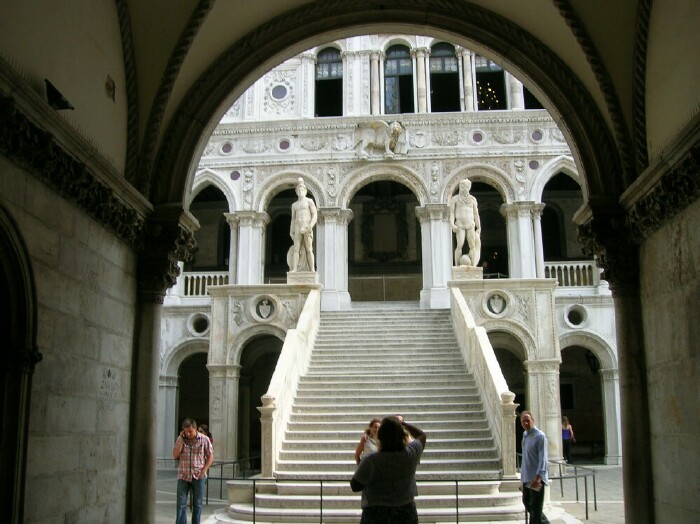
580,273
292,364
481,360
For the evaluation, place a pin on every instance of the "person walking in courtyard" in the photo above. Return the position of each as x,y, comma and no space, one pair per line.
387,478
368,442
533,470
567,438
195,455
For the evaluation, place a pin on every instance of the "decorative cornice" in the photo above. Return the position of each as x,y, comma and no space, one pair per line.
155,118
606,237
675,190
37,151
606,86
430,212
132,101
334,215
168,238
639,84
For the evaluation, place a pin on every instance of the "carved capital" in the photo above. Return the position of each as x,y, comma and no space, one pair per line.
252,218
606,236
168,238
432,212
334,215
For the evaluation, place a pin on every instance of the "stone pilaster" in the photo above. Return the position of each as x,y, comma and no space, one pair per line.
375,89
223,409
515,87
544,402
233,221
537,210
421,55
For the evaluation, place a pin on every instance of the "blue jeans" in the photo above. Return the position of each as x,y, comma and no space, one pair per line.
183,488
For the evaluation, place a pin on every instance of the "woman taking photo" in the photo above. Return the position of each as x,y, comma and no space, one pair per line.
387,478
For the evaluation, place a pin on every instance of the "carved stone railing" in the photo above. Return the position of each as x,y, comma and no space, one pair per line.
194,284
578,273
292,364
481,361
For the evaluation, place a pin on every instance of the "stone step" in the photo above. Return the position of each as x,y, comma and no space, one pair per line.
417,380
436,444
332,432
437,474
476,487
346,454
354,417
379,406
331,398
355,425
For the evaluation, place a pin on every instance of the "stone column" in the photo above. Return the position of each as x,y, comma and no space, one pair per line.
375,89
543,399
233,221
539,247
167,408
223,409
307,107
521,246
244,415
603,236
515,87
422,90
436,236
251,246
610,384
168,239
467,69
332,245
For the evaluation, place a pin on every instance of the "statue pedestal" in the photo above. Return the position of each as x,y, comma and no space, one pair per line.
467,273
303,277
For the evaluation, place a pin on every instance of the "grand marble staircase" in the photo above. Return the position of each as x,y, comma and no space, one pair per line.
372,362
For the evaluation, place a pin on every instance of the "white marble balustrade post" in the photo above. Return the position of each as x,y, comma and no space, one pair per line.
332,245
544,402
437,255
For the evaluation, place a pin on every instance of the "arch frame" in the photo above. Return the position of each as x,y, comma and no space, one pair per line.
560,164
564,95
181,352
374,172
485,173
207,177
287,179
20,356
601,348
235,352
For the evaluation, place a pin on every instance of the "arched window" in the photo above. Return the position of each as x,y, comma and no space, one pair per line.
398,81
490,85
444,78
214,235
329,83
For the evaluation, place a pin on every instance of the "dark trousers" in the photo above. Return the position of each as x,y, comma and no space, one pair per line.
534,501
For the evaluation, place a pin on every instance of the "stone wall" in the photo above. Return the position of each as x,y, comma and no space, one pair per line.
670,265
78,428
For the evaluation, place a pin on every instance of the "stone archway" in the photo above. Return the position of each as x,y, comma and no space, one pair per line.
18,323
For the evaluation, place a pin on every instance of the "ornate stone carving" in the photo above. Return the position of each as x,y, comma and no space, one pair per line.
606,237
389,137
165,243
36,151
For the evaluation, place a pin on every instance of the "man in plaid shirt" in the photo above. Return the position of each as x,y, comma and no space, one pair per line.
196,455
